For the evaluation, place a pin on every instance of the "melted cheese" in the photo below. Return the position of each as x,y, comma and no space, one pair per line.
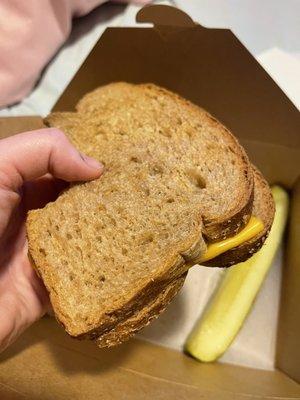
253,228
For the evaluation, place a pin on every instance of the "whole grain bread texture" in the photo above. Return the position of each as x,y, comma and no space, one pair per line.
263,209
108,249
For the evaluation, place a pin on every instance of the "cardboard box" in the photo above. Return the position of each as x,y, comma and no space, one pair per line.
211,68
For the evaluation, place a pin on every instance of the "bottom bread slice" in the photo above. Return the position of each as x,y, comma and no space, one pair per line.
129,327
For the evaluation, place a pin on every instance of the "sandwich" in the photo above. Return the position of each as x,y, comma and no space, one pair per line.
178,190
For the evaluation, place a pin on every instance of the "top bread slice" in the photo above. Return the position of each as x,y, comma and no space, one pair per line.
174,176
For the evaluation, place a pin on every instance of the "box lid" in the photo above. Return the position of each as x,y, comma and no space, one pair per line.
213,69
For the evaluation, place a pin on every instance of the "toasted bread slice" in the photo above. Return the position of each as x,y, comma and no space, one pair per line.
213,158
264,209
106,248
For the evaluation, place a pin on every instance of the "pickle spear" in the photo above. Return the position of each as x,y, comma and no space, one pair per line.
233,300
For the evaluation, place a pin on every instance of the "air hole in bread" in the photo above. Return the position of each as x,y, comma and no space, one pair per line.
148,238
98,124
78,232
196,179
165,132
124,252
113,221
156,170
79,250
135,159
102,207
42,251
99,226
69,236
76,217
102,278
179,121
170,200
211,146
190,133
145,188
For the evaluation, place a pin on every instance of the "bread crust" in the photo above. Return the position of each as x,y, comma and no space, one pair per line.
140,319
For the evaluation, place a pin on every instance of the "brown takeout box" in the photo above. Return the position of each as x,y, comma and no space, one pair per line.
213,69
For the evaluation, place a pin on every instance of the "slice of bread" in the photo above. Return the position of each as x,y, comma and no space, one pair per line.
210,155
264,209
107,248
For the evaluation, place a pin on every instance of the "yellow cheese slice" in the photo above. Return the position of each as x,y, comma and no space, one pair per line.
253,228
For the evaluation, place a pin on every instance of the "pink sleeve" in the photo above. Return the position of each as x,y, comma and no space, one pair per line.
31,31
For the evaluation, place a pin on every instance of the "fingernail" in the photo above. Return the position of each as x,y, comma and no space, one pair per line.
91,162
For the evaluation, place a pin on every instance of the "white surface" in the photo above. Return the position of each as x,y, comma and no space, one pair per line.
270,30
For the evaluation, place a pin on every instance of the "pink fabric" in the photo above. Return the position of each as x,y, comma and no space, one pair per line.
31,31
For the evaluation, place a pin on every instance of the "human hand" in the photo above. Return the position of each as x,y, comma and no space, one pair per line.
34,167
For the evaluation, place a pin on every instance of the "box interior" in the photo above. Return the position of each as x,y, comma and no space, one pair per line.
200,64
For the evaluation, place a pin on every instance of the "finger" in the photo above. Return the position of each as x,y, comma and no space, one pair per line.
30,155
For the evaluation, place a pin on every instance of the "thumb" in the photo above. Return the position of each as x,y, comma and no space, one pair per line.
30,155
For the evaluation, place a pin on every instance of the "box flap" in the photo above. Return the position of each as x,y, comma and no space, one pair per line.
46,363
208,66
288,350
